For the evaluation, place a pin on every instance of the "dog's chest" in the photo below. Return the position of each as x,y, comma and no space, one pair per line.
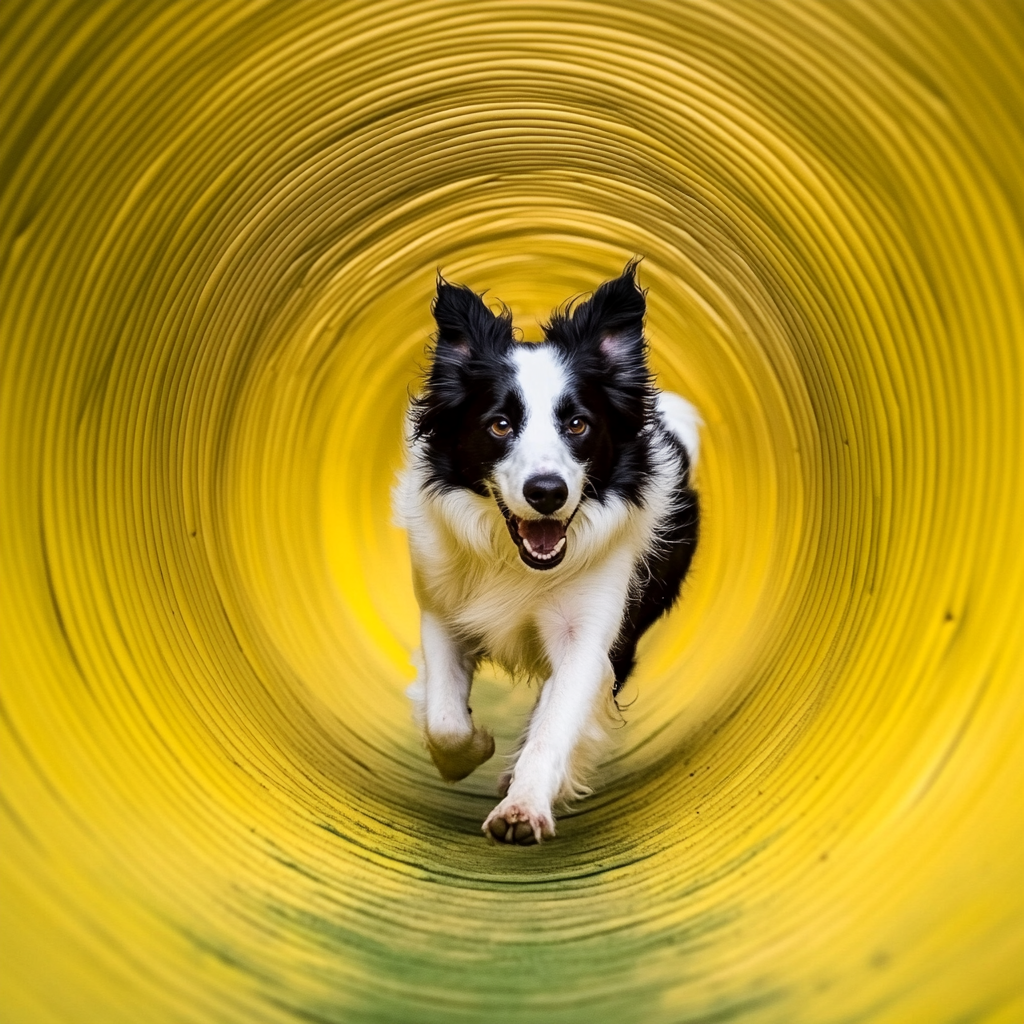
499,613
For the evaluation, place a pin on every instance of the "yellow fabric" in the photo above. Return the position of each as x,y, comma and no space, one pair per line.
219,230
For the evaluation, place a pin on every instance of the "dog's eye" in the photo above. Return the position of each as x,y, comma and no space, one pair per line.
577,425
500,427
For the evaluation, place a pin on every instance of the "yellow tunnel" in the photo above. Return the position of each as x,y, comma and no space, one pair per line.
220,226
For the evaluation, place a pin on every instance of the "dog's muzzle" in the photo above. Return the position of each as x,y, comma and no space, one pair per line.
542,543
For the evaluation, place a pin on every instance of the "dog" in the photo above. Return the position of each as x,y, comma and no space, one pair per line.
546,493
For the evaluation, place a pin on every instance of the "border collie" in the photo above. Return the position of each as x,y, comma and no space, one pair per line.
546,495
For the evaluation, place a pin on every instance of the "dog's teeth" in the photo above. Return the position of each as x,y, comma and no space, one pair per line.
544,557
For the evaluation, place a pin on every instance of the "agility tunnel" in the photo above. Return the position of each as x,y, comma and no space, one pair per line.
221,225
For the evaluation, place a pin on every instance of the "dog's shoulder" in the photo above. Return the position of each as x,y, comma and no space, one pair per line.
682,421
672,538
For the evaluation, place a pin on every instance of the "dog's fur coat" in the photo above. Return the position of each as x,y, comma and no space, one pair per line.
547,499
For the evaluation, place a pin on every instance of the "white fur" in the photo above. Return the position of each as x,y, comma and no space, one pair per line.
684,421
478,599
539,447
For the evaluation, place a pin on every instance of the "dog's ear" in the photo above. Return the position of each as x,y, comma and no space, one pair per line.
610,323
616,317
467,333
604,338
465,326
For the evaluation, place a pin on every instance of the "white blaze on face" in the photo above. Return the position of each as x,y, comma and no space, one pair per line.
540,446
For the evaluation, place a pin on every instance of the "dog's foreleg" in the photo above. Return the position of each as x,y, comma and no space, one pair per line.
577,631
456,745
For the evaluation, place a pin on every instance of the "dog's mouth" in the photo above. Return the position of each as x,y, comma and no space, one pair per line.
541,542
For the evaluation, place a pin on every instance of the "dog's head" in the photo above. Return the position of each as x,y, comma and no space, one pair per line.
540,428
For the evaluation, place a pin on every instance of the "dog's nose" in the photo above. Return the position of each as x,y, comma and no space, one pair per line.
546,492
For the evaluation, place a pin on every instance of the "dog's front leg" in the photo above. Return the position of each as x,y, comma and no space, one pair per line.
577,633
456,745
563,718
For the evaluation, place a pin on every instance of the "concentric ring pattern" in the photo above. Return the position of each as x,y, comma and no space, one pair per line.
219,230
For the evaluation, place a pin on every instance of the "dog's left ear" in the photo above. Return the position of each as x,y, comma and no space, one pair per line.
617,316
610,323
604,337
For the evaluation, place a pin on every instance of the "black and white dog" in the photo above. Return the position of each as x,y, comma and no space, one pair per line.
547,499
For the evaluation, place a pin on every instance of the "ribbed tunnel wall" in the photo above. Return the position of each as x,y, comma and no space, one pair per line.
219,230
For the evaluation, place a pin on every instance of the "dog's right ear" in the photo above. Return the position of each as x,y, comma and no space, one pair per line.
467,332
465,326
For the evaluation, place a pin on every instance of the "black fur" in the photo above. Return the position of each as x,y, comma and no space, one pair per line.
602,344
603,339
659,579
470,383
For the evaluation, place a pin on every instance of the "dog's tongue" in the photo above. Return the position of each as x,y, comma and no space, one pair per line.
542,534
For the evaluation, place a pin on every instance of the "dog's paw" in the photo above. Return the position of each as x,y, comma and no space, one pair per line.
456,761
519,821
